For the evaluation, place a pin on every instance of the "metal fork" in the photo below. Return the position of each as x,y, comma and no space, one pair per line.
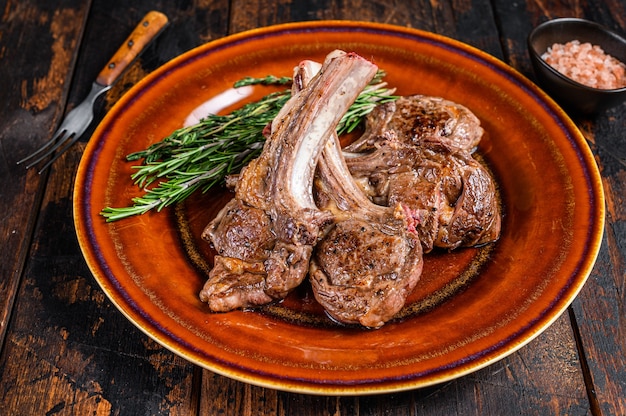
77,120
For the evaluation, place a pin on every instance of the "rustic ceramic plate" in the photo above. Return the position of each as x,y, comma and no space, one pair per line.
473,306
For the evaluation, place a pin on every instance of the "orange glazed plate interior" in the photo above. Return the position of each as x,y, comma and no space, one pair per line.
472,306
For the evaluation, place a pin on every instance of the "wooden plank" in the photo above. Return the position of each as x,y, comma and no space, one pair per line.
513,386
599,309
68,350
451,18
41,41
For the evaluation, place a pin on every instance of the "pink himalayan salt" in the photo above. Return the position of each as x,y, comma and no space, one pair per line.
587,64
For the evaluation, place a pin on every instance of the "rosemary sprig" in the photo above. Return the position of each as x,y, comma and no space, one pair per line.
199,157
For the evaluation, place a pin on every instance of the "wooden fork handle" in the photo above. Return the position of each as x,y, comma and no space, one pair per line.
150,26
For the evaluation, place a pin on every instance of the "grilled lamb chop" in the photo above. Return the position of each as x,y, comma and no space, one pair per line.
418,118
363,270
408,159
265,235
452,197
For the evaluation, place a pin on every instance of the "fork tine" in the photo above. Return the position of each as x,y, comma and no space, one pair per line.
68,144
42,148
63,138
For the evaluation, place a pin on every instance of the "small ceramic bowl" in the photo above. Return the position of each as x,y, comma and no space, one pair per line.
567,92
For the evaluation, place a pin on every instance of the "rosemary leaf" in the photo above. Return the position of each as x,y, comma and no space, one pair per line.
199,157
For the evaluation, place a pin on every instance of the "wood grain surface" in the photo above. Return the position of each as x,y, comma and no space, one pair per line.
66,350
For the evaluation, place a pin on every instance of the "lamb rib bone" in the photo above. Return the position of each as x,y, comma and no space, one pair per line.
364,268
369,262
265,235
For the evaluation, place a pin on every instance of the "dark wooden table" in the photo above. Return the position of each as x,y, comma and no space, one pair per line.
65,349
